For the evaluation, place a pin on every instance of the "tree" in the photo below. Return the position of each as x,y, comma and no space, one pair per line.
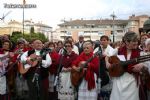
15,36
16,33
28,37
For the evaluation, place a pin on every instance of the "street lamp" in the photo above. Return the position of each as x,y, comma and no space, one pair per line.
113,32
24,2
90,31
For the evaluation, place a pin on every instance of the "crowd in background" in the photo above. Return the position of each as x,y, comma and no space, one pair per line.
21,79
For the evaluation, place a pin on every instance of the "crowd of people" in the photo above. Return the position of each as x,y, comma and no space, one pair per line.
85,70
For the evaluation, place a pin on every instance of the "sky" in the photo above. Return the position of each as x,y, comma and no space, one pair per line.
52,12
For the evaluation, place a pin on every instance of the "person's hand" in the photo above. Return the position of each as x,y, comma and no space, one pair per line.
82,62
108,65
137,67
66,69
29,61
39,58
69,69
11,54
76,68
33,57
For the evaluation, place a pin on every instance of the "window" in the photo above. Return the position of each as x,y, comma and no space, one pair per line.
100,33
76,27
94,31
86,31
68,33
63,31
119,31
101,26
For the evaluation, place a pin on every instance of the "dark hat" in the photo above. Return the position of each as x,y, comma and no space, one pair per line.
130,36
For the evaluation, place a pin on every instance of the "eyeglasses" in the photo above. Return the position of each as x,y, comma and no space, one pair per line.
67,45
85,48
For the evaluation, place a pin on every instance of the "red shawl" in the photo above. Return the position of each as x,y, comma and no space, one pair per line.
92,68
16,55
55,61
134,54
68,59
2,51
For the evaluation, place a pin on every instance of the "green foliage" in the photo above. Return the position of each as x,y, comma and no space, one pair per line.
15,36
28,37
16,33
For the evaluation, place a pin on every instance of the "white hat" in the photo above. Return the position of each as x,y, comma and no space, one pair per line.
81,36
21,40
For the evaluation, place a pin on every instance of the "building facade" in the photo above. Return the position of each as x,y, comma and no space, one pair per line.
136,23
13,25
8,28
93,29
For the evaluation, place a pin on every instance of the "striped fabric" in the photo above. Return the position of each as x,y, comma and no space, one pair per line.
65,90
85,94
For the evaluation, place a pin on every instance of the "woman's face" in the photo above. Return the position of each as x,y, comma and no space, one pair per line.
143,38
60,45
6,45
21,45
132,45
87,49
104,42
71,40
51,46
68,47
